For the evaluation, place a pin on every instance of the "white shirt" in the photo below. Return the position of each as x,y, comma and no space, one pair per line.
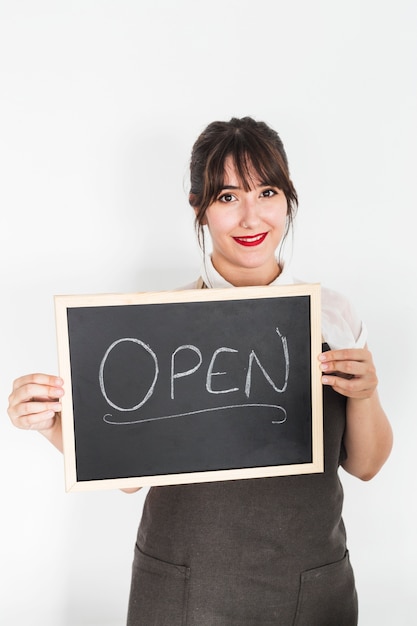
341,327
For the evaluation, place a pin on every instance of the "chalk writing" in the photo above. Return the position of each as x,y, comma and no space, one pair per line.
176,375
108,417
186,373
101,374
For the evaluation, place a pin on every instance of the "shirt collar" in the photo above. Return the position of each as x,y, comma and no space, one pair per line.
213,279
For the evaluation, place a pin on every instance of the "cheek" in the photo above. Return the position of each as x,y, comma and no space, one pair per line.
220,222
277,216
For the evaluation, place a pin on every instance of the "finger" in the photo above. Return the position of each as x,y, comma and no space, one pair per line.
35,409
345,369
350,387
350,362
35,415
45,425
32,390
39,379
348,354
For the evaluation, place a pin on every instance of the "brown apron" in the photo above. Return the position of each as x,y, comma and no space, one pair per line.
257,552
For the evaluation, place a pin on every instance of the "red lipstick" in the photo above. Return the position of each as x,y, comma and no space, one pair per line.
251,240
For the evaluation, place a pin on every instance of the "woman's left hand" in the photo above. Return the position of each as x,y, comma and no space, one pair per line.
351,372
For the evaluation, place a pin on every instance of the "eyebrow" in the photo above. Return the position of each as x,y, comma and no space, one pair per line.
262,184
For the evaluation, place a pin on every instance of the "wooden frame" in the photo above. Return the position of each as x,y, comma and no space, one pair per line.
79,312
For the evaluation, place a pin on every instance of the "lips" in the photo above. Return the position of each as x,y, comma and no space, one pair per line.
252,240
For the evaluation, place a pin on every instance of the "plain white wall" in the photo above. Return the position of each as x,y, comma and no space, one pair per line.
100,103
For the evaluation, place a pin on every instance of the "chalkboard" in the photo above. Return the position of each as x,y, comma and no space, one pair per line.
190,386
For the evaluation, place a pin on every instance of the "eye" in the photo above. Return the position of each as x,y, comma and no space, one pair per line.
226,197
268,193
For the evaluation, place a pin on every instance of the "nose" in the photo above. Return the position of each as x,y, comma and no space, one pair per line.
249,218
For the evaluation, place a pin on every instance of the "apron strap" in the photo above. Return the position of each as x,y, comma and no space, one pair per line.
201,284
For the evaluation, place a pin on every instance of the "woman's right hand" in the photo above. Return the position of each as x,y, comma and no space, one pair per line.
35,404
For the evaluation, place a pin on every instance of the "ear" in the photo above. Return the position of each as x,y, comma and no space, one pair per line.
192,199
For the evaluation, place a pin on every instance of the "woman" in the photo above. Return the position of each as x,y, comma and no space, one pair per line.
262,551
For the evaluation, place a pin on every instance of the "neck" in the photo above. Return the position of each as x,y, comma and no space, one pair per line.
249,277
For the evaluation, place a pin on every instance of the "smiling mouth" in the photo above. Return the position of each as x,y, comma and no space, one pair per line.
250,241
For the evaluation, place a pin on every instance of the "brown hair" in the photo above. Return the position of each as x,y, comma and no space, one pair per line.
253,146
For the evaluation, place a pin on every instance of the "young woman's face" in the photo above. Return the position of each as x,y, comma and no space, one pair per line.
246,228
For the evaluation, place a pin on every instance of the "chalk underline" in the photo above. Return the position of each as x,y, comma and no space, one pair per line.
107,417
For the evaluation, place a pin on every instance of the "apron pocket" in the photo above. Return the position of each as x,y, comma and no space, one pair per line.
158,593
327,596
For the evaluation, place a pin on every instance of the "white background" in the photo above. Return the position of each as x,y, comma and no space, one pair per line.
100,102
